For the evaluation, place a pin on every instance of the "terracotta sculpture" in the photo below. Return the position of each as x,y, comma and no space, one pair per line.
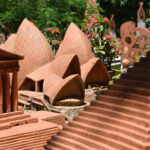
31,43
112,26
9,44
141,16
57,82
20,131
117,120
41,71
57,75
75,42
134,41
8,64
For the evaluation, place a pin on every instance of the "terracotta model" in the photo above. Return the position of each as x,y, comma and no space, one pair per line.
9,44
134,41
117,120
31,43
112,26
126,28
41,71
8,64
54,75
141,16
20,131
76,42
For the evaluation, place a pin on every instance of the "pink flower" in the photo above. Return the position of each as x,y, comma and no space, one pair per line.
32,22
106,19
50,41
53,31
88,36
86,26
57,31
93,22
117,50
108,37
118,39
49,29
55,43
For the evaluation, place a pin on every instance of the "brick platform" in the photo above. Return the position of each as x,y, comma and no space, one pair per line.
56,118
20,131
118,120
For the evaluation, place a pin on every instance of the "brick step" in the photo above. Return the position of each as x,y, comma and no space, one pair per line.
26,139
52,145
139,70
133,83
23,102
116,106
35,148
90,139
95,133
23,121
148,54
144,59
26,135
111,120
14,113
116,114
137,77
143,64
28,146
80,145
4,126
147,146
98,126
127,95
14,118
136,90
130,103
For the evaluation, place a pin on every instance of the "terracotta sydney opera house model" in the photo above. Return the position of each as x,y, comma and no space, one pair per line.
58,77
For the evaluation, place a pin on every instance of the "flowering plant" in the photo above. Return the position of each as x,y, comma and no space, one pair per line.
103,43
54,37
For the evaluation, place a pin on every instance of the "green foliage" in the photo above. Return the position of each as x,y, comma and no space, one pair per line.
54,37
137,58
60,13
124,10
44,13
25,108
103,43
12,12
117,69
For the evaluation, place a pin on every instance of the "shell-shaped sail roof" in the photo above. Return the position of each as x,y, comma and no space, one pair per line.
31,43
9,44
75,41
92,69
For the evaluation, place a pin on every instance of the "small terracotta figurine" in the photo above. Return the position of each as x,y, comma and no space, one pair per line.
141,16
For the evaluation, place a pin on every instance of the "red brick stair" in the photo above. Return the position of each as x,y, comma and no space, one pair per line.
118,120
19,131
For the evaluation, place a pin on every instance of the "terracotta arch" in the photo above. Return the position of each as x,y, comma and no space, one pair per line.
76,42
70,87
31,43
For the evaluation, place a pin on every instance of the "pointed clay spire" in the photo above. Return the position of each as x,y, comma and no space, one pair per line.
141,16
112,26
141,13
